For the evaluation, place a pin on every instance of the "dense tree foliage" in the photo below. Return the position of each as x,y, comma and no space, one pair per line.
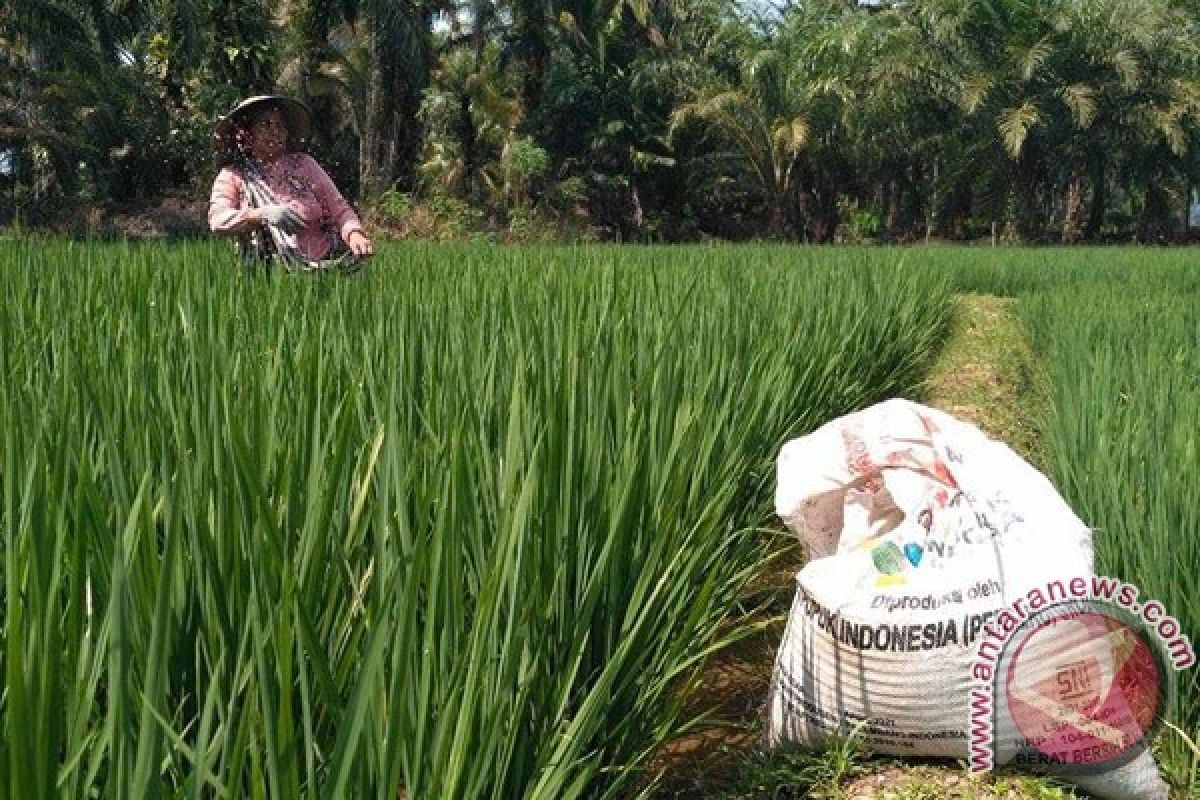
1054,120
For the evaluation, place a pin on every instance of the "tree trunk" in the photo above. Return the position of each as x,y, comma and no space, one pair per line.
481,12
1154,222
891,214
1025,194
825,217
1099,183
913,211
466,137
533,51
798,208
1188,198
313,23
377,153
932,204
957,210
775,222
391,139
1072,207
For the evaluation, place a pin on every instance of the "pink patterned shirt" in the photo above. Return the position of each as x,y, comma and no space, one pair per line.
297,180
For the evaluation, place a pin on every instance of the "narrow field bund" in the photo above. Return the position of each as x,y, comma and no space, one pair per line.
459,527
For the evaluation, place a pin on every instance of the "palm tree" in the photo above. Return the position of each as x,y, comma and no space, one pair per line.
1059,94
373,60
68,91
1143,58
531,47
765,122
399,35
1009,85
341,81
472,116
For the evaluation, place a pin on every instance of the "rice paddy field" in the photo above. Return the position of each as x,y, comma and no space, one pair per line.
465,526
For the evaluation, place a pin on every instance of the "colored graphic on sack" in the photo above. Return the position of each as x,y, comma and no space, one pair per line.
948,523
892,559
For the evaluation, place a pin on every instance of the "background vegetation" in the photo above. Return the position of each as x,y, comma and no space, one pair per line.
822,120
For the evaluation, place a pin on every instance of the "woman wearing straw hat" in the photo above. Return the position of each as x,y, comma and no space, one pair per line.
276,200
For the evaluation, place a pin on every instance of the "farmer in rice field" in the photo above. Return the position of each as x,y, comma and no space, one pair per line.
282,207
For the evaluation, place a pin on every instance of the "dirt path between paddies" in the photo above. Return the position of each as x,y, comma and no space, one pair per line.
985,375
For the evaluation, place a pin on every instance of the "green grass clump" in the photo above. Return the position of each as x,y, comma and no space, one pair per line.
457,528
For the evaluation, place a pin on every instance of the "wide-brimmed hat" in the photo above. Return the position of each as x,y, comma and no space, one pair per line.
295,115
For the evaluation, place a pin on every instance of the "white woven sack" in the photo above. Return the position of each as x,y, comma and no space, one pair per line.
919,528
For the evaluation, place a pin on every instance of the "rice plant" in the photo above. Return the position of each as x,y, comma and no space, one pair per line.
459,528
1123,361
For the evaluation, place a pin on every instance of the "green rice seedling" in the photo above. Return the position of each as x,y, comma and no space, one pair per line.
460,527
1123,362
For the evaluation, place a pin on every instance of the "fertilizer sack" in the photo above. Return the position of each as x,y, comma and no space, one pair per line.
919,530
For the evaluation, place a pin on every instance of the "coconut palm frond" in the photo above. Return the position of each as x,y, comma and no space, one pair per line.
1033,59
974,92
1080,100
1128,67
790,136
1169,126
1014,125
723,107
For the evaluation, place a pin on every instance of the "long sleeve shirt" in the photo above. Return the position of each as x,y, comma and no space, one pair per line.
297,180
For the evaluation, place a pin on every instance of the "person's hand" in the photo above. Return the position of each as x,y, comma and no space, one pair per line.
359,244
284,217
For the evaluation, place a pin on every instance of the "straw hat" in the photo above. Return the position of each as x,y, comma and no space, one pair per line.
295,115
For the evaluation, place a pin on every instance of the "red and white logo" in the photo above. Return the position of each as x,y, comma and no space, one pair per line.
1085,688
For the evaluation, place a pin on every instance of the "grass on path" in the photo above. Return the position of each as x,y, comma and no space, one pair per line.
987,375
